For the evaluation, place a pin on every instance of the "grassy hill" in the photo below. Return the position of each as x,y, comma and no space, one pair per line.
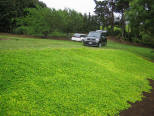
63,78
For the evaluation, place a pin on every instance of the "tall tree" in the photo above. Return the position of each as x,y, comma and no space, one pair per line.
140,16
11,9
112,10
105,11
102,11
121,7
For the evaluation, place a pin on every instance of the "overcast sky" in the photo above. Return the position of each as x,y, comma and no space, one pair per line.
83,6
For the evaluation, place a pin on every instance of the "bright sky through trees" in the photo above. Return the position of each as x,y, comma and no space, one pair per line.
83,6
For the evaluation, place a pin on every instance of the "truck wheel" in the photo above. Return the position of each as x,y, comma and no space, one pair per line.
100,45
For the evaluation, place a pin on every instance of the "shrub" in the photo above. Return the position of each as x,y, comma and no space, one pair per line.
21,30
147,39
117,32
117,29
58,34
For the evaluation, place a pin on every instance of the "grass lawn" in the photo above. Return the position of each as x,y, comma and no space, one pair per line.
62,78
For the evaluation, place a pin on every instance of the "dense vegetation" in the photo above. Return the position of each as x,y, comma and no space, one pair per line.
136,24
45,21
32,17
51,77
12,9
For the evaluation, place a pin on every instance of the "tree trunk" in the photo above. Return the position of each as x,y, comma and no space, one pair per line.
112,22
112,17
123,25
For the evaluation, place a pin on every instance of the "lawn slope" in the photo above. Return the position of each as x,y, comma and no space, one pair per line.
69,81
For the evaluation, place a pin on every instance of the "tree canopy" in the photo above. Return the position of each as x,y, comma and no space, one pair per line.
11,9
137,20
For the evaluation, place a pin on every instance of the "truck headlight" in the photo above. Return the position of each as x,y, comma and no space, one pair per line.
97,40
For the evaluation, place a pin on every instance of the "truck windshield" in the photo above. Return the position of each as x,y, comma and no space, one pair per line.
94,34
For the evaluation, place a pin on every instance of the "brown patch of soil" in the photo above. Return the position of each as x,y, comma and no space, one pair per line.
37,37
3,39
144,107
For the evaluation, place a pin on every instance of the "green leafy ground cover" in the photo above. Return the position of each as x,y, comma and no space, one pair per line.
62,78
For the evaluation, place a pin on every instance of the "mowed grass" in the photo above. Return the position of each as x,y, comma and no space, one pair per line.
15,42
61,78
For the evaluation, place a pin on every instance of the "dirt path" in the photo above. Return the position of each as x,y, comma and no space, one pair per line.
35,37
3,39
144,107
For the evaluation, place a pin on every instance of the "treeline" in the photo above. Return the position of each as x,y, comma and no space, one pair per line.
45,21
12,9
137,19
33,17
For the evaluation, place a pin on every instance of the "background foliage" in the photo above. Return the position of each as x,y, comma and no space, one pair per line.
136,23
33,17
